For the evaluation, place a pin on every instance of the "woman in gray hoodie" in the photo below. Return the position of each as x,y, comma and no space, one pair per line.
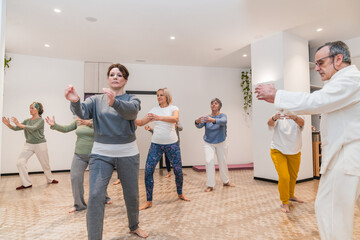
113,114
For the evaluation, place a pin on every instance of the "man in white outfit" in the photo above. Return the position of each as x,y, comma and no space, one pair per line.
339,103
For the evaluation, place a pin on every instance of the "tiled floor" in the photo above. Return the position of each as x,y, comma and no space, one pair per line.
248,211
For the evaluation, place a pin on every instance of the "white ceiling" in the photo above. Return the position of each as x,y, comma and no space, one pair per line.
130,30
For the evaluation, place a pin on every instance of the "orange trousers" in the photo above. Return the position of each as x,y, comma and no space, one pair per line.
287,167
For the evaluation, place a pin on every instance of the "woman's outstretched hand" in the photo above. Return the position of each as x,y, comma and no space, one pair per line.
6,121
110,96
71,94
50,121
14,120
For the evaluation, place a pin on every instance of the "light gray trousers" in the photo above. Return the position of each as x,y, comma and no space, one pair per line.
101,169
78,167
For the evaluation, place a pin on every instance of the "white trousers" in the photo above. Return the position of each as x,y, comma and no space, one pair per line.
335,201
221,150
41,152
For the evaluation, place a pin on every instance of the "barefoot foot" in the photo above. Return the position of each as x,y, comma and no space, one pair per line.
141,233
229,184
183,197
109,202
168,175
209,189
71,210
116,182
285,208
295,199
148,204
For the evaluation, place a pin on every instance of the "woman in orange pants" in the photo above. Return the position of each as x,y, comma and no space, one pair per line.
286,154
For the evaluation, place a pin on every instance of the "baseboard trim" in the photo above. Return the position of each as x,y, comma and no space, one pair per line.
54,171
274,181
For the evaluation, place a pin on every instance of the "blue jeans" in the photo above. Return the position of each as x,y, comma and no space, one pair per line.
101,169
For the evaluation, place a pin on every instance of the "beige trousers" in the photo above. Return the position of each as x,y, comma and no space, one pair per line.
41,153
221,150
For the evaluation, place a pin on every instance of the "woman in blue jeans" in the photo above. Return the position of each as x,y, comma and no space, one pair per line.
113,114
164,140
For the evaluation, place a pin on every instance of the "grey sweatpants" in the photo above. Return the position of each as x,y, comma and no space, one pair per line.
101,169
78,167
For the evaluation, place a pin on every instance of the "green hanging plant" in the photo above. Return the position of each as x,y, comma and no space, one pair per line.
246,89
6,62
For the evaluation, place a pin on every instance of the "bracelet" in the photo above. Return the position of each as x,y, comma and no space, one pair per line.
272,117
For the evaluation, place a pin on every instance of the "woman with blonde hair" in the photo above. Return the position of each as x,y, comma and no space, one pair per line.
164,140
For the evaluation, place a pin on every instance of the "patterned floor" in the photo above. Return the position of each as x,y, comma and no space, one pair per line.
248,211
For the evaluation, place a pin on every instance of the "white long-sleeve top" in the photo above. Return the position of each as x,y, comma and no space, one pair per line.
339,104
287,136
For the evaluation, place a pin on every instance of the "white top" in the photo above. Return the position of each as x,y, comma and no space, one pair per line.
164,133
339,104
115,150
287,136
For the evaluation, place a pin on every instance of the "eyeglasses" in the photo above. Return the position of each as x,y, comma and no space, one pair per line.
320,62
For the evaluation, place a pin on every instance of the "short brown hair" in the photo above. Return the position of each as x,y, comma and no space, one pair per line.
122,69
38,106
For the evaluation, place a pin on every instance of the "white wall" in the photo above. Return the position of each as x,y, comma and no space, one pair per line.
265,68
281,59
30,79
354,45
43,79
297,78
2,53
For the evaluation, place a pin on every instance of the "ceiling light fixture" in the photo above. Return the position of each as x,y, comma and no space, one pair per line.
217,49
57,10
172,38
46,45
140,60
319,29
244,55
91,19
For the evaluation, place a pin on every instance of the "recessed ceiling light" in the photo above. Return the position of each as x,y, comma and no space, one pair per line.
91,19
172,37
319,29
218,49
244,55
46,45
57,10
140,60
